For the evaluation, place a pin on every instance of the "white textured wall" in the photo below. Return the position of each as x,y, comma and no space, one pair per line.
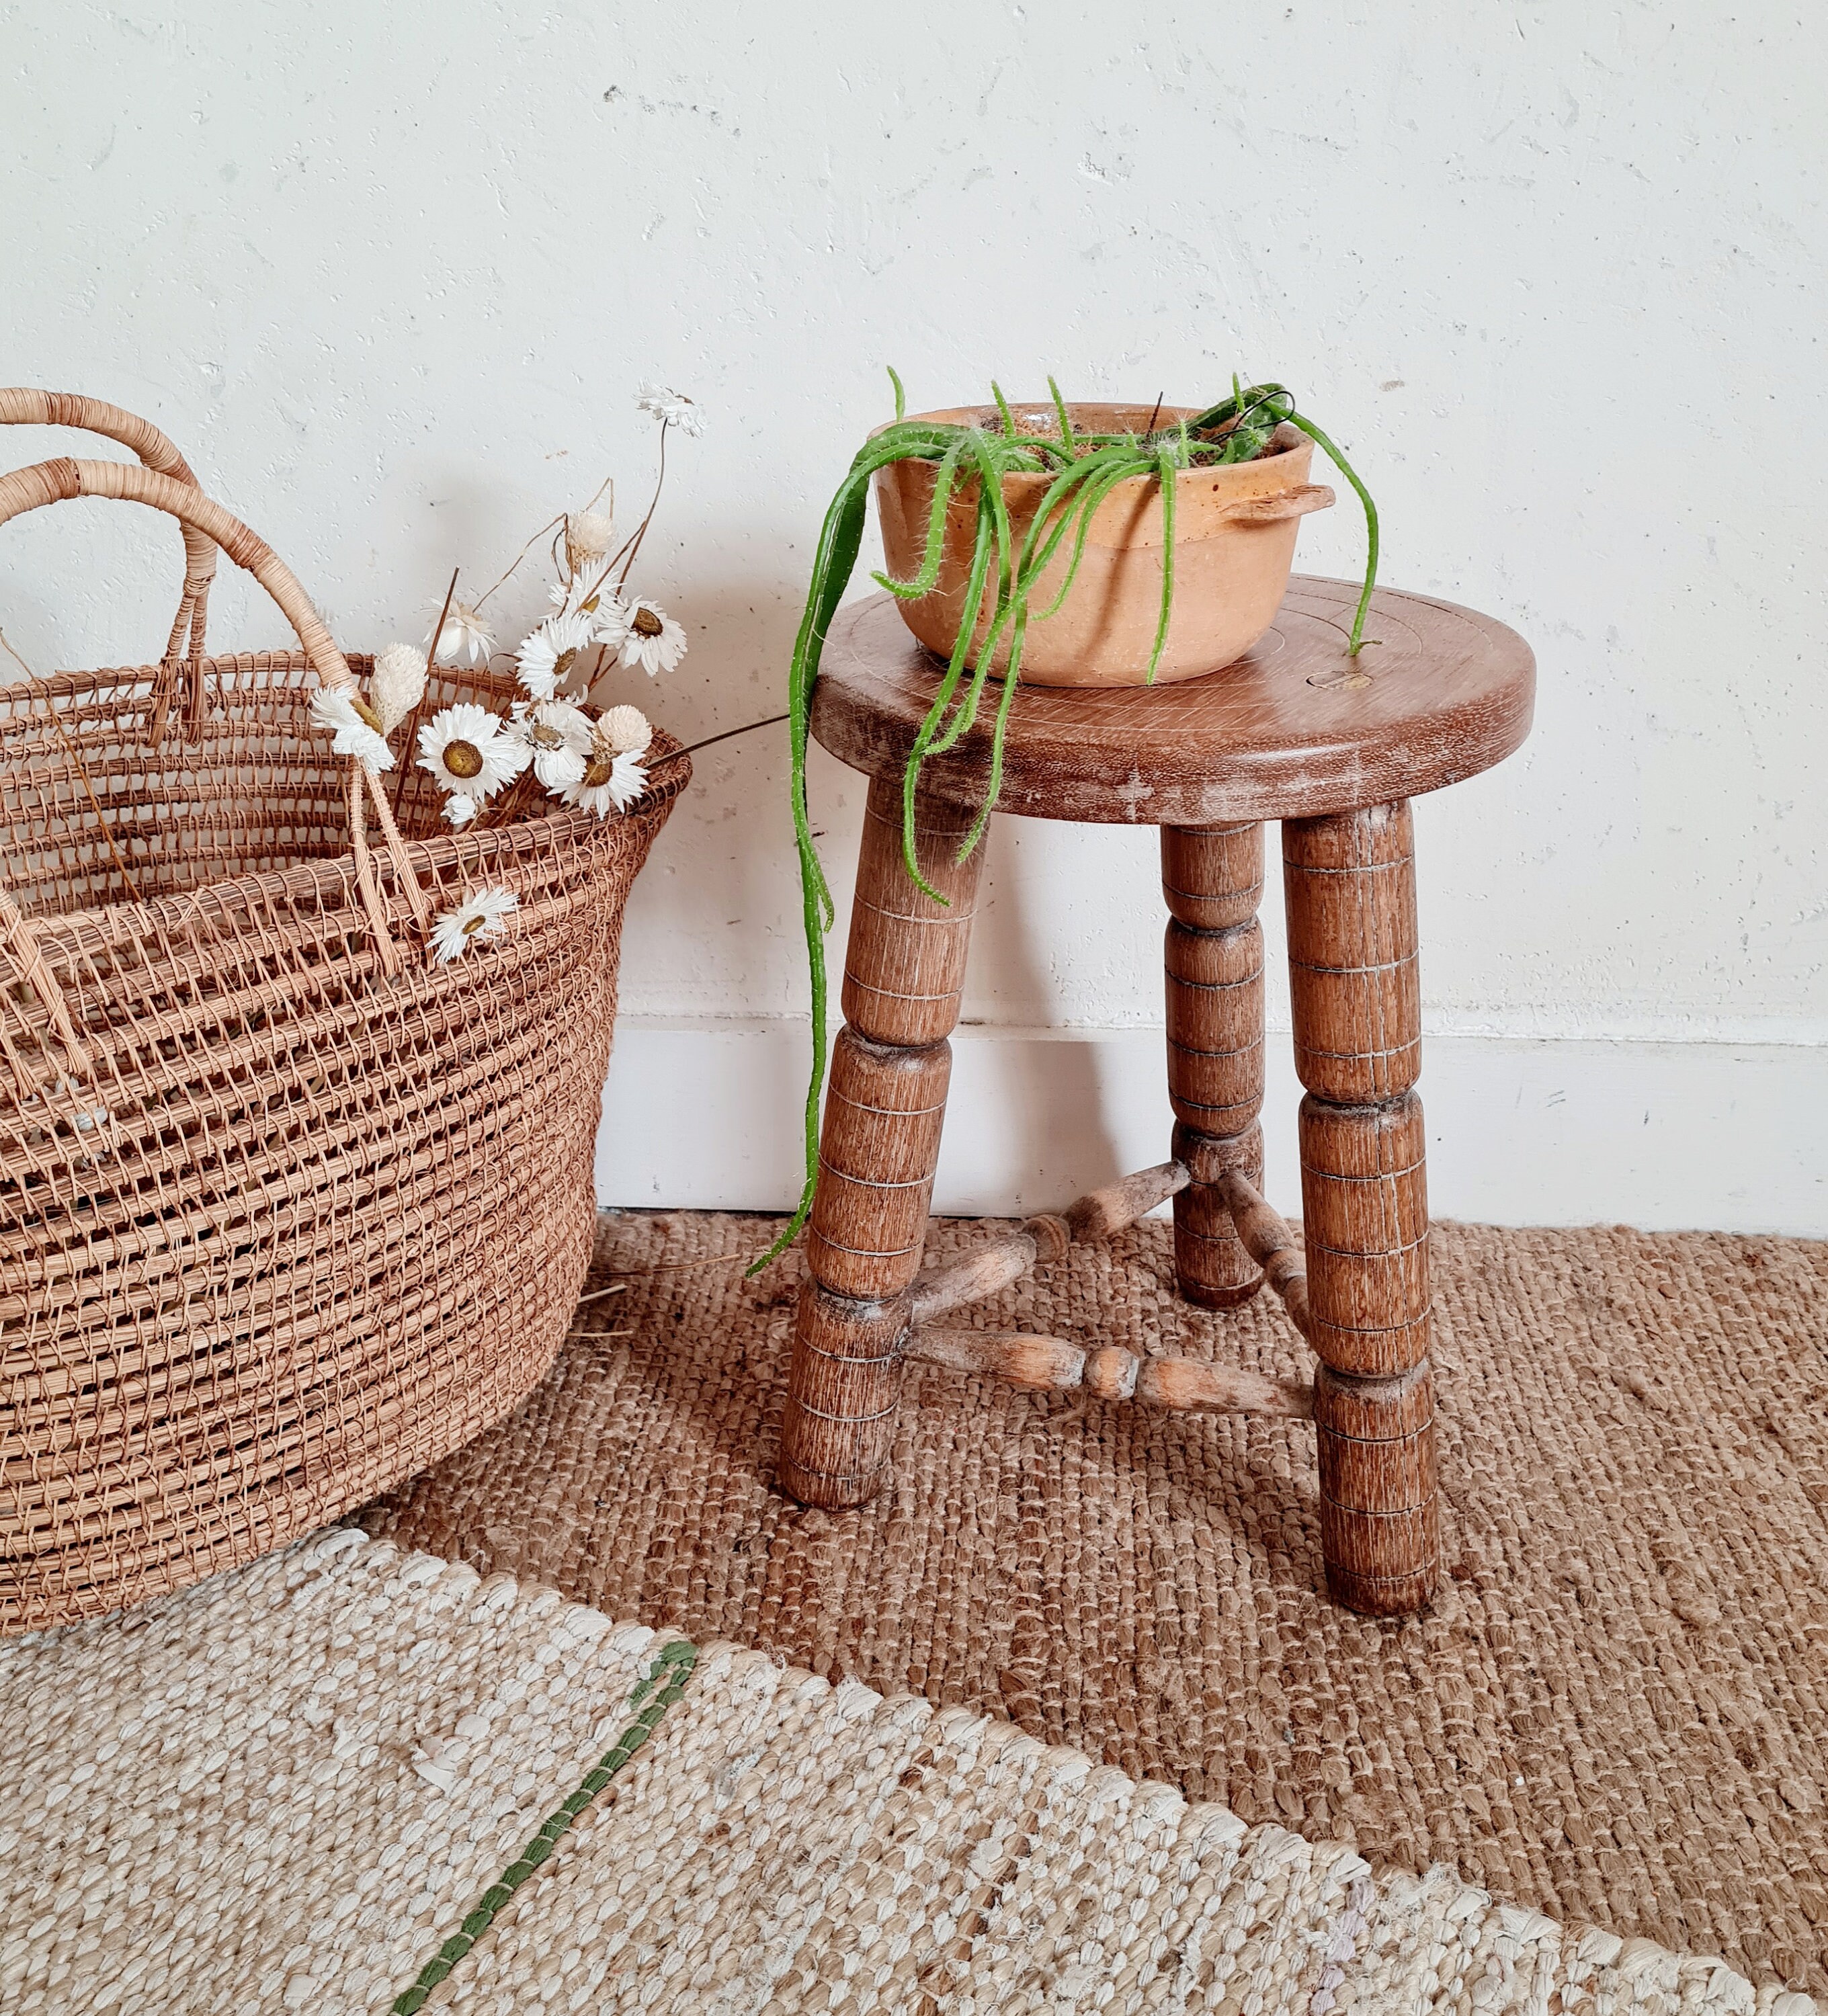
1554,272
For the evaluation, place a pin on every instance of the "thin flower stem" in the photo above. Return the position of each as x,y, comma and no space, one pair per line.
633,548
506,806
606,664
412,719
518,558
630,546
692,748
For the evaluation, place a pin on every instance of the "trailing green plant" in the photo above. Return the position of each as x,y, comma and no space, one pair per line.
1085,467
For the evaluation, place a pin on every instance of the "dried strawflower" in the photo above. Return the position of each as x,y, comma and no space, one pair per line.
587,537
465,635
460,809
643,634
625,730
354,727
398,683
549,656
610,783
468,751
481,917
671,409
557,737
610,621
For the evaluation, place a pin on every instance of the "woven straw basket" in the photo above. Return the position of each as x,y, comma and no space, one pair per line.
287,1210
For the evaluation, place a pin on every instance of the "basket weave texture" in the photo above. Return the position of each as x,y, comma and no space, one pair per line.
287,1210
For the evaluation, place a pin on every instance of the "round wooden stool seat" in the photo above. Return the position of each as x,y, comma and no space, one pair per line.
1294,729
1332,747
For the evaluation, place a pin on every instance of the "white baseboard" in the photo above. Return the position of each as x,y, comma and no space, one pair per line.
706,1114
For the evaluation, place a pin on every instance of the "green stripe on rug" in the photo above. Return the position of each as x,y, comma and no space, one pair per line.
672,1669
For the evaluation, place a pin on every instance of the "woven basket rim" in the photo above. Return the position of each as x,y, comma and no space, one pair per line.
73,933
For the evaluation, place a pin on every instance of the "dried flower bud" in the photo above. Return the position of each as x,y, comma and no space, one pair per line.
586,537
625,729
398,683
465,635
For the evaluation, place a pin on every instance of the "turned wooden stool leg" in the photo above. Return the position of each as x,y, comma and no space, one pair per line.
1213,879
1350,883
904,973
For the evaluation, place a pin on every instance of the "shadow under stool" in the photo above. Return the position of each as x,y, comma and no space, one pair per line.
1334,748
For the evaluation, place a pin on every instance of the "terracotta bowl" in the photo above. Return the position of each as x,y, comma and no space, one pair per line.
1234,545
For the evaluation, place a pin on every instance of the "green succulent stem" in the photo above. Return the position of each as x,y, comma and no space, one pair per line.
1061,414
1167,473
1356,643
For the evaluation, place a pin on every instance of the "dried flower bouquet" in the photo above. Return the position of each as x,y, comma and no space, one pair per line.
561,736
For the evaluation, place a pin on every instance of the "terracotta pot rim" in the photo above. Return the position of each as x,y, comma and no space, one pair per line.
1286,440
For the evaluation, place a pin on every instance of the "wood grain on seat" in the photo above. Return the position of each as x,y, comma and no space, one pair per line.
1293,730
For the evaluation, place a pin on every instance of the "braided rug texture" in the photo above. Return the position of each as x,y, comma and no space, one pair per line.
285,1789
1616,1713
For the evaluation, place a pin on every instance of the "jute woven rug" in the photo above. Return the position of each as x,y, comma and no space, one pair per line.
349,1778
1617,1713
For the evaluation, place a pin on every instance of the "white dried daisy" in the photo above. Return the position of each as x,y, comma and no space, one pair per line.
460,809
610,622
625,730
650,637
481,917
671,409
466,636
557,736
468,752
549,656
398,684
610,783
354,726
584,596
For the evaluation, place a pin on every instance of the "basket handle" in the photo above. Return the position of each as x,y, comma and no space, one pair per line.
23,405
59,481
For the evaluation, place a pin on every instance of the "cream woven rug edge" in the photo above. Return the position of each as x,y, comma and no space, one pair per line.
289,1787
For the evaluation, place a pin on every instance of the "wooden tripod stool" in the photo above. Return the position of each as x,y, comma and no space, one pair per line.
1334,748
